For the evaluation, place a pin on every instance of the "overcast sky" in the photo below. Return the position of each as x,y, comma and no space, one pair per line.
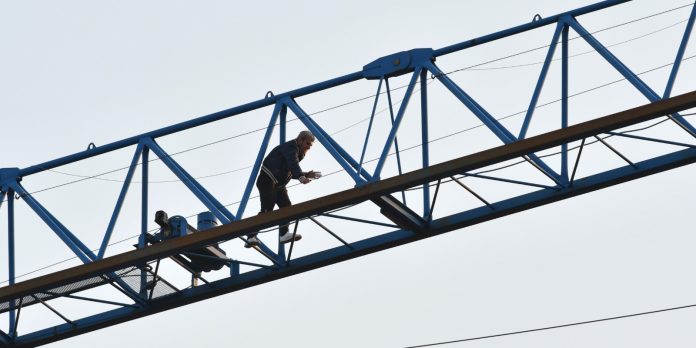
80,72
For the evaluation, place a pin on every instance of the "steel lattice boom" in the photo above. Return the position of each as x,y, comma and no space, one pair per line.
143,290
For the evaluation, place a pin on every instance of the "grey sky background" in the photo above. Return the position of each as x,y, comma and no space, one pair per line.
76,72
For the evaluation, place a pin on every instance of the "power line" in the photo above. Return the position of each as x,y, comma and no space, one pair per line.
554,327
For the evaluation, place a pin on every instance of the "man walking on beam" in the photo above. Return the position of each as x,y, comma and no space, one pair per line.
281,165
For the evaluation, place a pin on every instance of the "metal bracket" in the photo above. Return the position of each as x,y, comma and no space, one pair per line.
398,63
8,175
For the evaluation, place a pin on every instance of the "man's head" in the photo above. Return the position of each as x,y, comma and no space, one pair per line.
305,140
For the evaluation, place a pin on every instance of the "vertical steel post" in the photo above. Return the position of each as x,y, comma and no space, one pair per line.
145,174
395,126
541,80
283,121
257,164
424,136
564,100
144,213
119,201
282,140
680,53
11,253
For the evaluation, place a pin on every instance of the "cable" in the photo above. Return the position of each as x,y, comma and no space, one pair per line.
554,327
582,53
570,39
371,96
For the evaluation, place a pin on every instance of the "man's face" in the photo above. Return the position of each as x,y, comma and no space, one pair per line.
305,145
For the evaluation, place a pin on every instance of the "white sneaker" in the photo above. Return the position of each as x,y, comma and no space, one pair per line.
252,242
287,238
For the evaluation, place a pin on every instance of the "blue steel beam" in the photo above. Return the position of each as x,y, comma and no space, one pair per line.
498,129
119,201
259,160
424,141
217,208
395,126
79,249
364,247
396,139
541,80
564,101
626,72
191,123
369,126
323,139
10,253
680,53
360,194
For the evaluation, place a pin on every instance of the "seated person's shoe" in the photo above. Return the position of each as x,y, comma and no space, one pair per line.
252,242
287,238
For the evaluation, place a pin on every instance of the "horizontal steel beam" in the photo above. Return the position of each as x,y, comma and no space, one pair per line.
363,247
355,195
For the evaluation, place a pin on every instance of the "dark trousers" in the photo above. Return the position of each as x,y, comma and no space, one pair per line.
270,195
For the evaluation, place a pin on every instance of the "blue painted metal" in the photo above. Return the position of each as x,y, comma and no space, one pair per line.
201,193
626,72
397,64
541,80
10,252
191,123
498,129
564,102
425,141
396,139
282,123
395,126
359,220
511,181
680,53
661,141
119,201
144,193
80,250
371,245
369,126
323,139
259,159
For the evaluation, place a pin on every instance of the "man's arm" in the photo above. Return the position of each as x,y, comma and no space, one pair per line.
290,153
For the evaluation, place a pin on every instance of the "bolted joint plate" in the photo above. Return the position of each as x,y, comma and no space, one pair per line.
7,176
398,63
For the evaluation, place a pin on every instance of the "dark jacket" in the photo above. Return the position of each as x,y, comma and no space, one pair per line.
283,162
